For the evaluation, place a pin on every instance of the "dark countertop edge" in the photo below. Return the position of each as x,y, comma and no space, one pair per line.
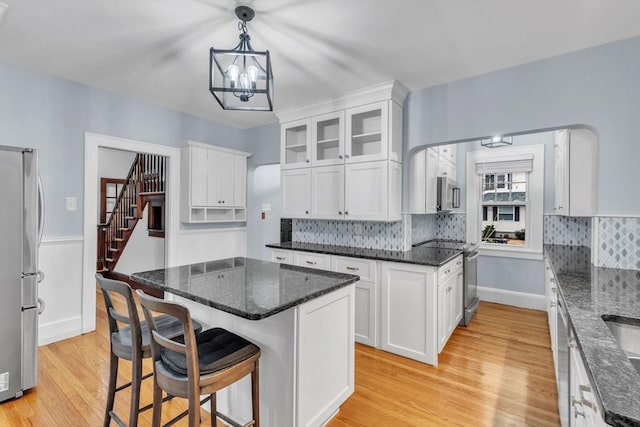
242,314
364,256
610,417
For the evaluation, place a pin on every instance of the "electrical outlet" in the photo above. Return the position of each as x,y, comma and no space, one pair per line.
70,203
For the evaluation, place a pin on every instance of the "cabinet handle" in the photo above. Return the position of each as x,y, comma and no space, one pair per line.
552,304
311,262
307,160
352,268
279,258
554,290
560,207
447,271
589,404
584,388
346,156
577,413
340,156
346,213
339,212
306,212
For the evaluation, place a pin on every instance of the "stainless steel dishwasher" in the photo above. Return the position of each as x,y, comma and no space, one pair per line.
562,346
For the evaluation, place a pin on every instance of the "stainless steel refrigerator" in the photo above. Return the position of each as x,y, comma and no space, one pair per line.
21,220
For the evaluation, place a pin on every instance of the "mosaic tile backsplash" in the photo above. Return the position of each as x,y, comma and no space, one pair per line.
424,227
360,234
618,242
564,230
452,226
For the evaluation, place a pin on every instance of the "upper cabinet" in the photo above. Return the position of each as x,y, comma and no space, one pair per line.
575,172
331,139
213,183
425,166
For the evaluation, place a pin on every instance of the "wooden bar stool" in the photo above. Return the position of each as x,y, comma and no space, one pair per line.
131,343
207,362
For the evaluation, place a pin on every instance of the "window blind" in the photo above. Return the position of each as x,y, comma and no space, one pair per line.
522,164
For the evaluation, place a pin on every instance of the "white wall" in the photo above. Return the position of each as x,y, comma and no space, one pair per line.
143,252
264,187
113,164
206,245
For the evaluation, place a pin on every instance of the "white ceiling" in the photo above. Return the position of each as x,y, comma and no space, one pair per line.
158,50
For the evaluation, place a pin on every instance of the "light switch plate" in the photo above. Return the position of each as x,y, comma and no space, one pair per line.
70,203
266,207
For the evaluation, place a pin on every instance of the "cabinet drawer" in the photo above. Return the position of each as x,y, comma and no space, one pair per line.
311,260
282,256
449,269
364,268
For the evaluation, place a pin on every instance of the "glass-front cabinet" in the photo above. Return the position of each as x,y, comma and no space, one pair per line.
327,140
367,133
296,144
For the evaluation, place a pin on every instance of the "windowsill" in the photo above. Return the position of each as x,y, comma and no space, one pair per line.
521,253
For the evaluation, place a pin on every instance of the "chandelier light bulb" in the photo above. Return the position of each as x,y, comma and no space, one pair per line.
233,72
253,75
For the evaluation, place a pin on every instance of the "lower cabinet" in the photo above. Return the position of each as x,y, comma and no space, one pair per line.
409,318
551,294
282,256
312,260
584,410
449,301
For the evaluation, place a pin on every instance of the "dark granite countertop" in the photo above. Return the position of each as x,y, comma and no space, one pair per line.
246,287
418,255
589,293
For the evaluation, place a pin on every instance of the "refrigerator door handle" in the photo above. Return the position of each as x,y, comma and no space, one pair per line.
40,211
41,306
40,274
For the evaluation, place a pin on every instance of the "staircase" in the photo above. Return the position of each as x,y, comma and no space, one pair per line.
144,185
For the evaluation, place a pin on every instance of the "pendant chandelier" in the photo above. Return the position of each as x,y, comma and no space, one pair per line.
497,141
241,78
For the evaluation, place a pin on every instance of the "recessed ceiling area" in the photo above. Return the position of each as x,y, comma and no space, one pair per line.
158,51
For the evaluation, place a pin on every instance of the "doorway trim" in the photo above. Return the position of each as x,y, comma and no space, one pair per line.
92,143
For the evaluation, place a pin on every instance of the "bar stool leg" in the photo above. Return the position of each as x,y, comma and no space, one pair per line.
255,395
157,404
111,393
214,418
136,380
194,409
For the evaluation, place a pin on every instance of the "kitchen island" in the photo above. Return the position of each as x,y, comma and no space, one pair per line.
302,319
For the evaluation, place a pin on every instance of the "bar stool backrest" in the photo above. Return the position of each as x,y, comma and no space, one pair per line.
159,342
131,318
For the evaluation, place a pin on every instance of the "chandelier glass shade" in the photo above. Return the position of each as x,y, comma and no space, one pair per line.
497,141
241,78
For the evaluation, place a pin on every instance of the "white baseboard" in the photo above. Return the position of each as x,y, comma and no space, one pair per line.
516,299
59,330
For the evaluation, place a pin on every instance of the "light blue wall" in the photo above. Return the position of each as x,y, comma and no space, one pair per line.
599,87
52,114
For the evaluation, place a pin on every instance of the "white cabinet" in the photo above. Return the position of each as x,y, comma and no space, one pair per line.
450,282
327,192
327,139
344,143
575,172
295,185
282,256
295,148
366,300
585,410
312,260
213,183
425,166
408,325
551,294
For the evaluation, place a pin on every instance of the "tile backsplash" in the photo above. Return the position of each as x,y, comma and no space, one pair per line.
360,234
452,226
564,230
618,242
424,227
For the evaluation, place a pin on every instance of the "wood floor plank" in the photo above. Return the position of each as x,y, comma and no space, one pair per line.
498,371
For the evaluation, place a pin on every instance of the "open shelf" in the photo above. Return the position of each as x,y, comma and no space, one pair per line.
297,147
333,141
206,215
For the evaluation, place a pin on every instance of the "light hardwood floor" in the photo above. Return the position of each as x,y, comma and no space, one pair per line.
496,372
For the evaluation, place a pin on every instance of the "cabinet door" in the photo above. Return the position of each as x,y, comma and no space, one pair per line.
431,184
327,140
225,176
327,192
365,325
239,181
561,169
282,256
449,152
198,176
457,303
408,311
446,168
417,182
366,191
296,193
443,315
295,144
367,136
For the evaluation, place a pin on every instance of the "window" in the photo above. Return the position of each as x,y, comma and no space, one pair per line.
506,210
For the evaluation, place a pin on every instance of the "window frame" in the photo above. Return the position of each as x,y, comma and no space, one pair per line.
534,205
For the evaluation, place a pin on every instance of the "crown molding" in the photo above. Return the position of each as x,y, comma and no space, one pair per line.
392,90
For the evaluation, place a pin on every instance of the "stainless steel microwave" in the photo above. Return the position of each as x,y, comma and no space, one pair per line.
448,194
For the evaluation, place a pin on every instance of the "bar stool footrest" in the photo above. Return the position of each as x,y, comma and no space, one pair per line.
114,417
